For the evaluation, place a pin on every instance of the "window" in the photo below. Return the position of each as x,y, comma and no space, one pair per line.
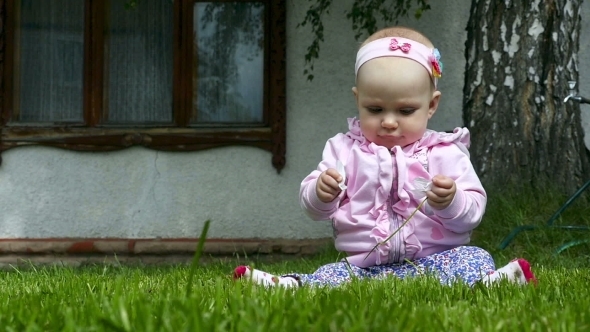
176,75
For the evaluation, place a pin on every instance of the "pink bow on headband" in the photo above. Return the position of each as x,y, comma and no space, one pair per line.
394,45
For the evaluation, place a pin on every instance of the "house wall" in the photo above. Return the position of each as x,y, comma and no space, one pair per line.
139,193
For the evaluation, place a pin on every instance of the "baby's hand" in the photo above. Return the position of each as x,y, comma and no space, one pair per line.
442,193
327,185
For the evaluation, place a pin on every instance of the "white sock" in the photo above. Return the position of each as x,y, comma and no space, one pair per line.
517,271
263,278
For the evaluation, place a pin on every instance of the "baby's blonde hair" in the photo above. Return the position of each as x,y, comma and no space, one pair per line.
399,31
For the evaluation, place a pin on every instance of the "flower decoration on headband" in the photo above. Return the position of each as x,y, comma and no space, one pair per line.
394,45
437,65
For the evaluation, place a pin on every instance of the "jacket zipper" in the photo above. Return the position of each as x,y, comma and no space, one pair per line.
395,254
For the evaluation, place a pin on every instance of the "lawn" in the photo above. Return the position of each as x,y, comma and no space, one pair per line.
203,297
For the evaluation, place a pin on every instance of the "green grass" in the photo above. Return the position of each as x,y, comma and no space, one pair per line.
149,298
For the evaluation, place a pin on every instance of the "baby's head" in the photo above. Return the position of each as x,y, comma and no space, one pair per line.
396,76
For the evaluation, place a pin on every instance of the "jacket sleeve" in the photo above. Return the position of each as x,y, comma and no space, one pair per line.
336,149
468,206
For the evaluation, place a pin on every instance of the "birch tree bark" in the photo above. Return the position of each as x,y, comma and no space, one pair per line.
520,55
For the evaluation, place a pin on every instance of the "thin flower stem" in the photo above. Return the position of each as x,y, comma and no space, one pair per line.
396,231
414,265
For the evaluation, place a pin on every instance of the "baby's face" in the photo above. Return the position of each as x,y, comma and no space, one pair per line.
395,99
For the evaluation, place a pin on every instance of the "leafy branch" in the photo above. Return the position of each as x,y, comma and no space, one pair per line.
131,4
364,16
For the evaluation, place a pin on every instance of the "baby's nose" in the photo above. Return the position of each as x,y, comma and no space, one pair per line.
389,121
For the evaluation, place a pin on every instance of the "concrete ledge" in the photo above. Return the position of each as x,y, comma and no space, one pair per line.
177,246
10,262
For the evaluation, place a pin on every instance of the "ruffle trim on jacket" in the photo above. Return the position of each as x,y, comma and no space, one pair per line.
402,206
381,231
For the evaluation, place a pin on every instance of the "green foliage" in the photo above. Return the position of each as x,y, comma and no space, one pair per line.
130,4
365,16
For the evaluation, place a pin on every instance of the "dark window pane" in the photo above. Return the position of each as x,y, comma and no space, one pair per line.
228,84
139,62
49,61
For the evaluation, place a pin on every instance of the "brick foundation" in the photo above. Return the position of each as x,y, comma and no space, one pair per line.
180,250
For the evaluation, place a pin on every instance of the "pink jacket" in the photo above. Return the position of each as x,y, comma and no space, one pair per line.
382,193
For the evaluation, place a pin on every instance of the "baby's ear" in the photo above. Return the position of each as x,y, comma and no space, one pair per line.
433,106
355,92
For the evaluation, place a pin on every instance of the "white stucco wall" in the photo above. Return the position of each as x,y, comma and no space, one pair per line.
140,193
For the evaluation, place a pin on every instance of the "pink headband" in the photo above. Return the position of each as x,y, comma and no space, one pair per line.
405,48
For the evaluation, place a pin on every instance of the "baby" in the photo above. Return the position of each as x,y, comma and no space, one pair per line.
403,200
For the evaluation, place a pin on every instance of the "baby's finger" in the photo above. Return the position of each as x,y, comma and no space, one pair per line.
433,197
442,181
334,174
327,181
441,192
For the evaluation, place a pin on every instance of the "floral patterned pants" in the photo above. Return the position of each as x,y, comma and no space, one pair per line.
464,264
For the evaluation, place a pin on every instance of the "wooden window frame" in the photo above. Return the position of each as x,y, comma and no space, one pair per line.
91,136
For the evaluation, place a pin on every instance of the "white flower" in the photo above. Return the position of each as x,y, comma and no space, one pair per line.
341,170
422,185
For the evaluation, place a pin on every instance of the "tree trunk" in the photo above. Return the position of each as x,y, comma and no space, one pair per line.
520,55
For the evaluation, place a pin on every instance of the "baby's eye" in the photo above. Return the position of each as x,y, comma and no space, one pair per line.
407,111
374,109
